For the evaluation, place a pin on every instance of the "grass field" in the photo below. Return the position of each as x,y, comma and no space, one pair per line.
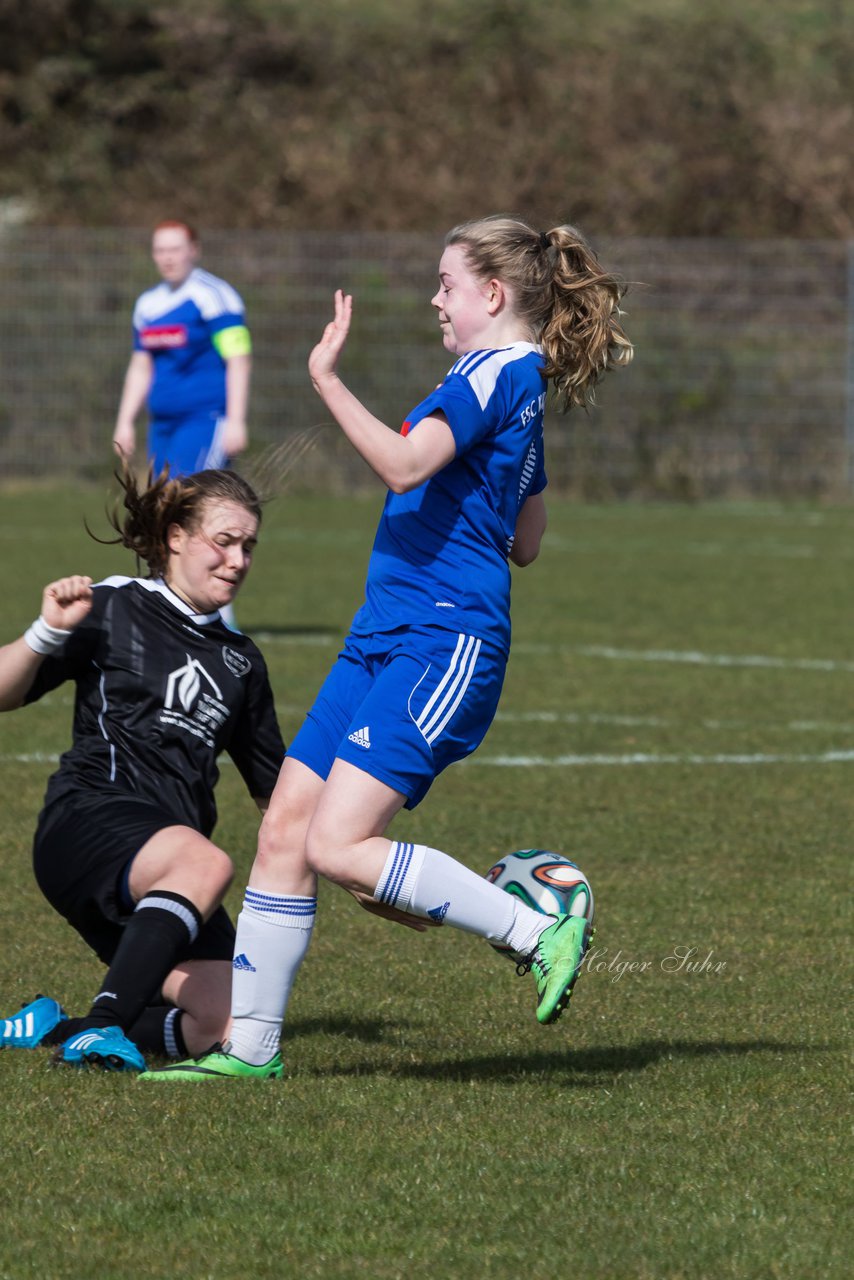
679,716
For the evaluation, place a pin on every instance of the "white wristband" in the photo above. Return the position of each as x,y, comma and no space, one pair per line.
45,639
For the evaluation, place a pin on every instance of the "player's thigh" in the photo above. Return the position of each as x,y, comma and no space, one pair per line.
83,850
185,862
354,807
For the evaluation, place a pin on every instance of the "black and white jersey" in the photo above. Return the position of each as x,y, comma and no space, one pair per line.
161,691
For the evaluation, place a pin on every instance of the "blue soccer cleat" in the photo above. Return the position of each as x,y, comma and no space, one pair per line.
27,1029
107,1048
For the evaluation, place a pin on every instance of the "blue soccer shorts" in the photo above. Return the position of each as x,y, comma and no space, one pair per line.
189,442
402,706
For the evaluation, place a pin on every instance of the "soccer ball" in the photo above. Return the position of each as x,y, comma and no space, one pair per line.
546,881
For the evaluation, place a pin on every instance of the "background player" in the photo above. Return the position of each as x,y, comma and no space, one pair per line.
191,361
418,682
123,848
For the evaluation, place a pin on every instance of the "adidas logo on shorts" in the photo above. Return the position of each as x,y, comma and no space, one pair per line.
362,737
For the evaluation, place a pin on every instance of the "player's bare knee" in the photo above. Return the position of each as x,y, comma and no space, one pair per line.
221,873
210,876
325,857
281,839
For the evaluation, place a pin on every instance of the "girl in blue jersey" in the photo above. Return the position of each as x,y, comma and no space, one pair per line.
191,362
418,682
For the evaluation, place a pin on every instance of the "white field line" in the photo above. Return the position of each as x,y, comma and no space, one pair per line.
308,638
31,757
593,717
643,758
573,761
660,722
688,657
579,717
589,717
763,550
48,757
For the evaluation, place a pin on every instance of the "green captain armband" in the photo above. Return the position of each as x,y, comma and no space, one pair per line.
236,341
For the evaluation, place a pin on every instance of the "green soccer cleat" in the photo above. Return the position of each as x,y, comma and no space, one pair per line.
217,1064
556,964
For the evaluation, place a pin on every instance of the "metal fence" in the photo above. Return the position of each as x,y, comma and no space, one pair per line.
742,380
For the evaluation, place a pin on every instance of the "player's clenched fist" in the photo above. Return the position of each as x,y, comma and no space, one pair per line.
66,602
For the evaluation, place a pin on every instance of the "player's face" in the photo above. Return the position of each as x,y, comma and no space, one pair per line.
174,254
207,564
462,302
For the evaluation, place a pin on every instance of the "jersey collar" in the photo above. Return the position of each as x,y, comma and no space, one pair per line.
162,589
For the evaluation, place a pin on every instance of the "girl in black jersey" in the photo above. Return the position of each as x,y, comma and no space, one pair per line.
123,848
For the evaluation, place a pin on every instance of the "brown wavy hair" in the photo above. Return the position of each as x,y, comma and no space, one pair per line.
569,302
149,510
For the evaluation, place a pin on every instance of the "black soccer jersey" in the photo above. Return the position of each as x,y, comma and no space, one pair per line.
161,691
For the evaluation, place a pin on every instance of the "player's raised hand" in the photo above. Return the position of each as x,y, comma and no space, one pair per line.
418,923
66,602
235,437
324,357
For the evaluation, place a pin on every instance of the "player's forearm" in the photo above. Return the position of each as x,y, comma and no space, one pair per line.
18,667
137,385
238,372
530,527
389,454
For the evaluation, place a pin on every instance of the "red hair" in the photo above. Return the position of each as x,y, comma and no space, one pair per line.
175,224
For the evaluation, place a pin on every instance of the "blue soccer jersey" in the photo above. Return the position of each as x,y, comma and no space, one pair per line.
178,327
440,557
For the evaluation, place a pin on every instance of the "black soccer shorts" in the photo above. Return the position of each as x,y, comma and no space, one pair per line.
82,851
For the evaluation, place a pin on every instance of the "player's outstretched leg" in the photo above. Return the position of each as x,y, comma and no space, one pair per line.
218,1064
28,1028
423,880
556,964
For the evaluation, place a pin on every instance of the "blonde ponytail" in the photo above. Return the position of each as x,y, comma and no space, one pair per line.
560,291
583,337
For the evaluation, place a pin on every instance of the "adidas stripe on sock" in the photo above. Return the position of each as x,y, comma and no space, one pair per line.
428,883
273,935
400,872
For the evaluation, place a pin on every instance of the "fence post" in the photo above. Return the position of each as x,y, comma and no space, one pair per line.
849,372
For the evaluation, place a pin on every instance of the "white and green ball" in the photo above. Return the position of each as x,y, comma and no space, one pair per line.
545,881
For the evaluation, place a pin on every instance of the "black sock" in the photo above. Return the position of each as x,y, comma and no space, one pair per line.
158,932
156,1030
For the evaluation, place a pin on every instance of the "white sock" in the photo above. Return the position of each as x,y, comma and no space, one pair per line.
430,884
273,933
